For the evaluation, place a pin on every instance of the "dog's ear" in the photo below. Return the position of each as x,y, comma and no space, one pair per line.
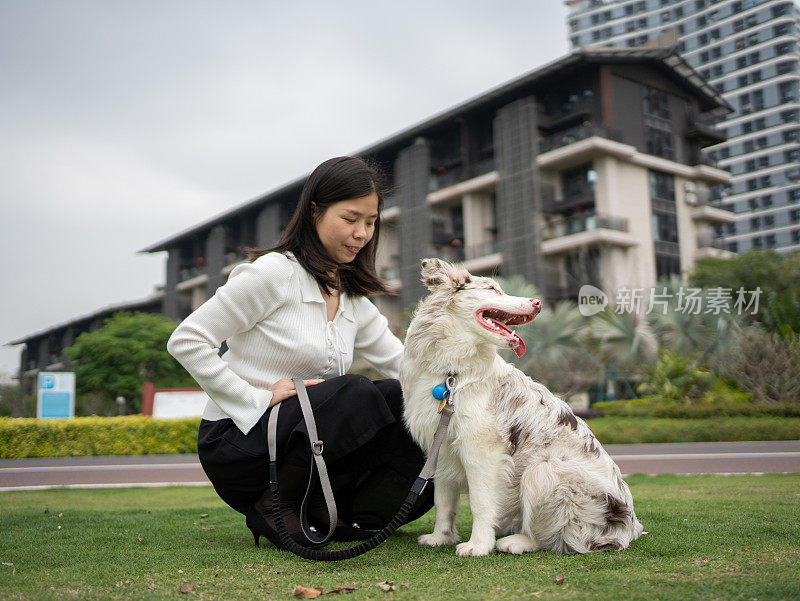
437,273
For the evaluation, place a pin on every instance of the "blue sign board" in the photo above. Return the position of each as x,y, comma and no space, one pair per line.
56,398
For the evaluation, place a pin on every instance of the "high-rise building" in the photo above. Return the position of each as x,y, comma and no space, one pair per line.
749,51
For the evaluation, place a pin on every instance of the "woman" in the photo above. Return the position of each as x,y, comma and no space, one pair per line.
299,310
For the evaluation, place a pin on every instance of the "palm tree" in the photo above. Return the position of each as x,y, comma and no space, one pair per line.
557,343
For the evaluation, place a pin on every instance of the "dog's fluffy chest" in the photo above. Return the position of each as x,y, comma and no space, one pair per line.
473,421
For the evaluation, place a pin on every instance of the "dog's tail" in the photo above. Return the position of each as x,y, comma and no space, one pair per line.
563,512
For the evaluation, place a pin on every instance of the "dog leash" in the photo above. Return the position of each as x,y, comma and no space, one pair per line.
446,394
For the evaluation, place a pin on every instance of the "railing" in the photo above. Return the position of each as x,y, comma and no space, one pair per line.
550,204
447,177
576,134
187,273
706,240
572,109
481,249
584,223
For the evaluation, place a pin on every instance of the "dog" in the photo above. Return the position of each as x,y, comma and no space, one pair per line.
535,473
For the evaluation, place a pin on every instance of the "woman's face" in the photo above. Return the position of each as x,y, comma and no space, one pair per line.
347,226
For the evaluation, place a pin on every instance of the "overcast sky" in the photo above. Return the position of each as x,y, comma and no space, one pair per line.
124,122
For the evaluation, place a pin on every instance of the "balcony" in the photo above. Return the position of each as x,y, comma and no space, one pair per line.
577,109
714,215
566,234
584,223
475,251
576,134
707,240
580,198
702,129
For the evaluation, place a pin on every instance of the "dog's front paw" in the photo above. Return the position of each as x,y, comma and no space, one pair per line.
472,549
437,539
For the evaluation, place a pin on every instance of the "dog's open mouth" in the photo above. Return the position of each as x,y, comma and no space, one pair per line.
497,321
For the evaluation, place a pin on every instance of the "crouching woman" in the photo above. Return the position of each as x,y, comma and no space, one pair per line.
300,310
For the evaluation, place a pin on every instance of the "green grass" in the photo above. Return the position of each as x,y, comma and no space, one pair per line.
710,537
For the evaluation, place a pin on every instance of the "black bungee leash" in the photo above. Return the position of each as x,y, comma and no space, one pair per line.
443,393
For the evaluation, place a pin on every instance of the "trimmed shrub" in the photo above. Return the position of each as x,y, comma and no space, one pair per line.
81,436
624,430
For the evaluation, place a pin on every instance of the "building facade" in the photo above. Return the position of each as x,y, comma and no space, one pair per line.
749,50
588,170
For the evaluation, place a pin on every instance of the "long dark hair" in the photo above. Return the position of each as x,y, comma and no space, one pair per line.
337,179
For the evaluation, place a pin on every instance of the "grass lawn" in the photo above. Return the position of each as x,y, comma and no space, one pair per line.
710,537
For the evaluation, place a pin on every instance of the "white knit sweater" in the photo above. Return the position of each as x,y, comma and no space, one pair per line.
272,314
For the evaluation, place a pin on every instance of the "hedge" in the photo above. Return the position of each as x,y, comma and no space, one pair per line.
623,430
715,407
136,435
129,435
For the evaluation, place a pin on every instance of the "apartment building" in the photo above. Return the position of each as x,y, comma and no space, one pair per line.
748,50
588,170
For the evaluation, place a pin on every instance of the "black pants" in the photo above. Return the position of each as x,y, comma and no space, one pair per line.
371,459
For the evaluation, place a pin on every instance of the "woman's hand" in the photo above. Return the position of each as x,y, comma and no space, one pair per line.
284,388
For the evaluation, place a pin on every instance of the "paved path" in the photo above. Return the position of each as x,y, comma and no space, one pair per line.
185,470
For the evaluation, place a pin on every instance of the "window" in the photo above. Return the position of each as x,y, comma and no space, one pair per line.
704,56
749,146
769,221
757,243
763,162
770,240
662,186
791,156
753,58
742,79
741,62
786,67
752,204
724,152
752,185
761,142
755,223
766,201
786,91
703,39
766,181
760,124
656,103
788,116
747,126
716,52
794,195
794,215
796,236
780,29
717,70
790,135
750,165
659,142
780,10
738,25
733,246
758,100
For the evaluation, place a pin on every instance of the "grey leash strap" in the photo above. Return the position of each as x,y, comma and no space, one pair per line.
316,459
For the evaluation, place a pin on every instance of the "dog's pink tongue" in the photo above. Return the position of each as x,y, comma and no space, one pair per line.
520,348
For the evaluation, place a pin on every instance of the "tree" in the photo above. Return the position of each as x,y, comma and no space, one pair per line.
777,275
129,349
